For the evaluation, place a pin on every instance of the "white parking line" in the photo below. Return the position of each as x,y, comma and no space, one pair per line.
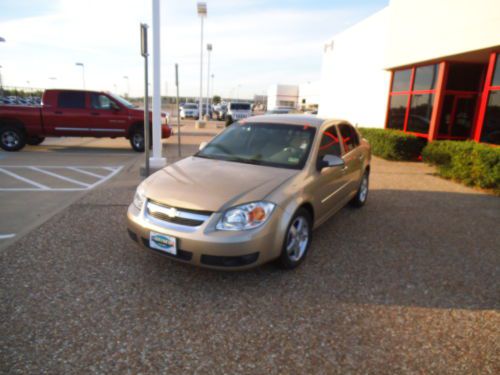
7,236
108,172
76,169
27,180
60,177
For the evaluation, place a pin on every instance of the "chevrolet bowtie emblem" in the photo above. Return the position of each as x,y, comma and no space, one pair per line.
171,212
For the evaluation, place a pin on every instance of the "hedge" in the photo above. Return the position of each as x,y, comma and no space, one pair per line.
393,144
474,164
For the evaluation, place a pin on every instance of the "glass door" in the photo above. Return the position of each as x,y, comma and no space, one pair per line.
457,117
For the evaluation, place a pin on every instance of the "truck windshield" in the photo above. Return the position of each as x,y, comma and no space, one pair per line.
240,106
122,101
273,145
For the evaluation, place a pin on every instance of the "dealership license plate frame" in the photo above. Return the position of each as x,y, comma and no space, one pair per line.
163,243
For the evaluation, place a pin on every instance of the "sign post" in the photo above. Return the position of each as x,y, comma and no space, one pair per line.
178,111
144,53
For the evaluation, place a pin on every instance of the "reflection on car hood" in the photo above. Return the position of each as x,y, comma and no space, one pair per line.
214,185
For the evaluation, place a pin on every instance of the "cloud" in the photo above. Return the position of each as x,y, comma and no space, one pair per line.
255,43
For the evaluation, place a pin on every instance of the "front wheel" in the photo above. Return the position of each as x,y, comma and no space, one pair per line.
297,240
12,138
362,195
137,139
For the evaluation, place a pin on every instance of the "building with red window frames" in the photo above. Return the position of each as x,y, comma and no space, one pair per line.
429,68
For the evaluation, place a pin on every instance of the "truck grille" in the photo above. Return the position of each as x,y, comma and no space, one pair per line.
180,216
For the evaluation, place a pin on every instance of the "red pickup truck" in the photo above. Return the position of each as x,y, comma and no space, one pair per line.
72,113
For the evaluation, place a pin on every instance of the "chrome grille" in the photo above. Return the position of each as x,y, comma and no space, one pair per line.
180,216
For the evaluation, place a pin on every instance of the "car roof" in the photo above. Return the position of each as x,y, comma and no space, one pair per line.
294,119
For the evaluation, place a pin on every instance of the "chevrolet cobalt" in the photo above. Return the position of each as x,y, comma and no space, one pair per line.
253,194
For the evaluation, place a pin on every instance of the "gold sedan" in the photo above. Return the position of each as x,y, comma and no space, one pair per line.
253,194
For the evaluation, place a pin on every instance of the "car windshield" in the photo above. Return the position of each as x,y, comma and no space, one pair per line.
190,106
240,106
124,102
274,145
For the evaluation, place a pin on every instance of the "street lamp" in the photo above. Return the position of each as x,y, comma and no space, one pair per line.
1,82
202,13
209,50
212,86
128,85
83,72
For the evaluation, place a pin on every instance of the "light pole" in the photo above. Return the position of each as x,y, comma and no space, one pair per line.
128,85
213,87
1,82
209,51
83,72
202,13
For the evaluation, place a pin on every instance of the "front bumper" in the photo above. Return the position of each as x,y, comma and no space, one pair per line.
205,246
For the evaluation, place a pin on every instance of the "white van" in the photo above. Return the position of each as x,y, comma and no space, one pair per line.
237,111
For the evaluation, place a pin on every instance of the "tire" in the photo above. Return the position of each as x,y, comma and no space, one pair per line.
229,121
137,139
12,138
361,196
35,141
299,229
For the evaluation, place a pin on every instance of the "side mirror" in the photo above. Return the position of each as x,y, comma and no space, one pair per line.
329,161
202,145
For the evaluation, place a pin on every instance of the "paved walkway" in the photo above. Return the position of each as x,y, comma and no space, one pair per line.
408,284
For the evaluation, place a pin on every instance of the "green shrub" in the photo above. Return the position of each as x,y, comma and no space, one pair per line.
474,164
393,144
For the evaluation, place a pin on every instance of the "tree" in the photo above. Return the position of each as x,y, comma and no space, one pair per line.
216,99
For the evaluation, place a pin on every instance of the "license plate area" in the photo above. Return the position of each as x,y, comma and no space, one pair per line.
163,242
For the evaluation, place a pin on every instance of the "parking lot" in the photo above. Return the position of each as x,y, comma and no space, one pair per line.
408,284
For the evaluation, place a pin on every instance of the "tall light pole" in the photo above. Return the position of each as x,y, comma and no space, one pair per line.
202,13
83,72
209,51
128,86
213,87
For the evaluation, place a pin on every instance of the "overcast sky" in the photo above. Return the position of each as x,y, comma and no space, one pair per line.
256,42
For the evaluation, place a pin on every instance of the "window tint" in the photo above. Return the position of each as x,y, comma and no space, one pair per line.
99,101
349,137
397,111
464,77
420,113
496,76
491,127
71,99
401,81
425,77
330,144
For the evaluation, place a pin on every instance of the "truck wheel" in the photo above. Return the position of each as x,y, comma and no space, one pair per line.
12,138
35,141
137,139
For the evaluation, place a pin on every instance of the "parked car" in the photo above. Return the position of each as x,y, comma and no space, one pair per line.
237,111
189,110
253,194
219,111
73,113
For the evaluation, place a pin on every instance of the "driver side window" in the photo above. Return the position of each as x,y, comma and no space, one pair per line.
99,101
330,144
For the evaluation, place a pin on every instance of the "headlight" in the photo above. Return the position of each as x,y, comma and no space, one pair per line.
139,196
246,216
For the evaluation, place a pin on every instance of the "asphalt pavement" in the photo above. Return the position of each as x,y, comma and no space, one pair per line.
408,284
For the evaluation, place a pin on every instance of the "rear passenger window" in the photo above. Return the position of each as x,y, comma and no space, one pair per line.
330,144
350,137
69,99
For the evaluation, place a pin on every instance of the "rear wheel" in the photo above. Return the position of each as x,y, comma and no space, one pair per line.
35,141
362,195
12,138
297,240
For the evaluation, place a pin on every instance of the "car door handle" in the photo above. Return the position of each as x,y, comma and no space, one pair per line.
345,168
94,114
58,112
361,157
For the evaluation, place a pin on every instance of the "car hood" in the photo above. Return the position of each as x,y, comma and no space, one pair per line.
214,185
